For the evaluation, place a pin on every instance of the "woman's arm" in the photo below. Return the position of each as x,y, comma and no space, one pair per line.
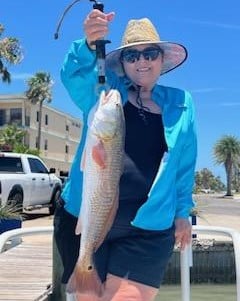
185,181
79,73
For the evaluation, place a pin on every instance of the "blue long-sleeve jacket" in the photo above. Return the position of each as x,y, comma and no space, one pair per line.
170,196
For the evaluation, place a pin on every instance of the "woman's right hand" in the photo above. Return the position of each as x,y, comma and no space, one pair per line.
96,25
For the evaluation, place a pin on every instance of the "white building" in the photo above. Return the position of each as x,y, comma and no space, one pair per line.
60,133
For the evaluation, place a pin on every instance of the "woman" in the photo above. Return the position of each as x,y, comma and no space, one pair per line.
160,152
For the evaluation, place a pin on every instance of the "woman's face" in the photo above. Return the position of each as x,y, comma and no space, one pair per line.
142,68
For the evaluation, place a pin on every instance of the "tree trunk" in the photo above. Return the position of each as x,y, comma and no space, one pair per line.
229,181
39,126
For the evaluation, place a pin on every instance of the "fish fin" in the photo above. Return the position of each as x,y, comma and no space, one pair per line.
78,228
87,282
99,154
108,225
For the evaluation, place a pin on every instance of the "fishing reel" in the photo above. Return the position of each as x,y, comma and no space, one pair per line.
100,44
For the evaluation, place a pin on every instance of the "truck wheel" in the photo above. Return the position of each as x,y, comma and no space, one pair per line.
15,199
54,200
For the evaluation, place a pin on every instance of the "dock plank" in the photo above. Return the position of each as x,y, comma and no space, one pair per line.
26,272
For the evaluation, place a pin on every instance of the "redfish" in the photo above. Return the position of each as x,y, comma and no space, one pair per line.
102,165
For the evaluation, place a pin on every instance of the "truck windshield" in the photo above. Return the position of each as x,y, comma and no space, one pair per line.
8,164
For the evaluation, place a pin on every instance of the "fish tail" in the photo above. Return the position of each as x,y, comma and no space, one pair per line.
85,281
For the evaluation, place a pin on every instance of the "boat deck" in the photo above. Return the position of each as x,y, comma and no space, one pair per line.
26,272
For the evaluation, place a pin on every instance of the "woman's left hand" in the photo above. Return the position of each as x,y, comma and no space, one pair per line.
183,232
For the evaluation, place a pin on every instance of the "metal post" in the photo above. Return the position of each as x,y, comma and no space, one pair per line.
185,274
236,244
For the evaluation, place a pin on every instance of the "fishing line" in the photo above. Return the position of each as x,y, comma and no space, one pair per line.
59,24
100,44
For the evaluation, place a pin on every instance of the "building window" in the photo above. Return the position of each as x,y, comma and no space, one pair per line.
67,127
2,117
37,116
66,149
45,144
16,116
46,119
27,120
27,116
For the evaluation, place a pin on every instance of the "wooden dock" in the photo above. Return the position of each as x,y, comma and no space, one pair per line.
26,272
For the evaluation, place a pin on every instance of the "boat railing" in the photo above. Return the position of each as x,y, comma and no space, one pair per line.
187,262
185,255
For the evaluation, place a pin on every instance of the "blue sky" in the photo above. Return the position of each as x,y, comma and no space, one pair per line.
209,29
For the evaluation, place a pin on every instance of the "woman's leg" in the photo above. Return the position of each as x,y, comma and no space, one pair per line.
120,289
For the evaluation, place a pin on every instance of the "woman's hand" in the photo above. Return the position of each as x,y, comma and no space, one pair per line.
96,25
183,232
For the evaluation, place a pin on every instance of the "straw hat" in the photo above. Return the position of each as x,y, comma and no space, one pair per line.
140,32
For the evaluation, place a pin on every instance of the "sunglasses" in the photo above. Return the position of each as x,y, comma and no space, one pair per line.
133,55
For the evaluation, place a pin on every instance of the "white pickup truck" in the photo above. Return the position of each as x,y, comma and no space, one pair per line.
26,182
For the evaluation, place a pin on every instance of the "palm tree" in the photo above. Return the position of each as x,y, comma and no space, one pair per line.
205,180
11,136
39,89
10,53
236,176
227,152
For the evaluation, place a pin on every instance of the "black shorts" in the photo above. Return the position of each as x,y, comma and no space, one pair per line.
129,252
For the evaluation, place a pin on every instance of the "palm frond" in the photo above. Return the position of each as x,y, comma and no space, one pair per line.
10,212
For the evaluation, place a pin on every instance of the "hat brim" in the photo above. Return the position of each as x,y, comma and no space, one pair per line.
174,55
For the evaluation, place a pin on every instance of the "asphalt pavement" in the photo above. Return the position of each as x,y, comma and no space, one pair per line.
217,210
213,210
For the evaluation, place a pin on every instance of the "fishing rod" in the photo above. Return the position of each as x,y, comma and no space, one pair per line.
100,44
